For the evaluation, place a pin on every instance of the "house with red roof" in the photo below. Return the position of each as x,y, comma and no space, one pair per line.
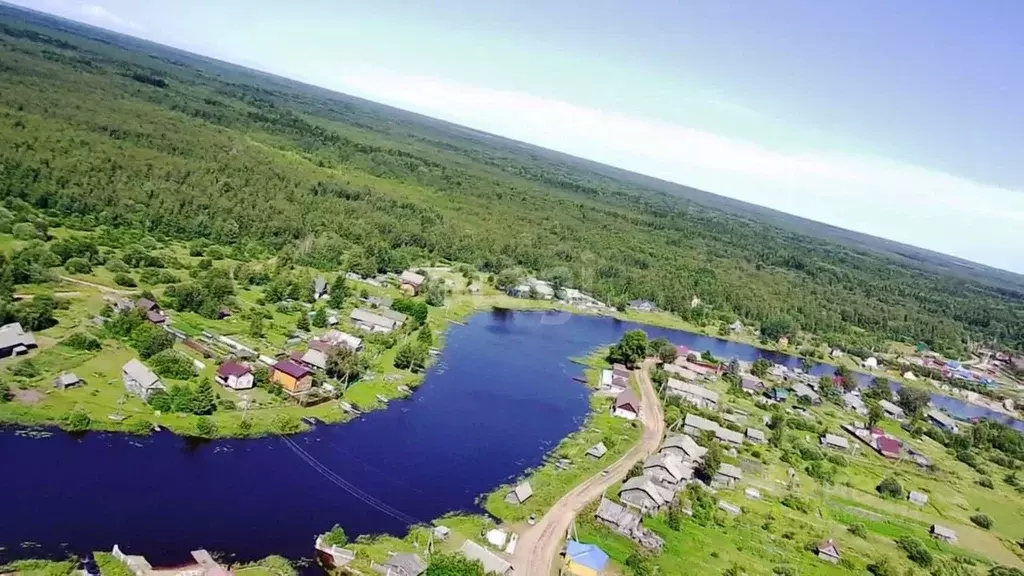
236,376
292,376
888,447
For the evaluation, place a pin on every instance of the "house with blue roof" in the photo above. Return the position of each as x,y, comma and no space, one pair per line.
584,559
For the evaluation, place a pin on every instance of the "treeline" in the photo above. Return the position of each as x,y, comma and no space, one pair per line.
261,170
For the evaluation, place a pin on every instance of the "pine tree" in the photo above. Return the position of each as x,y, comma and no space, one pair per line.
204,399
303,322
320,318
425,336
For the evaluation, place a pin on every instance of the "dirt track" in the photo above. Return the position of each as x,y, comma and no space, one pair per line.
539,546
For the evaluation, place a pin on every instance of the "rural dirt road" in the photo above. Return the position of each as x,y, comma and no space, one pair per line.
539,546
99,287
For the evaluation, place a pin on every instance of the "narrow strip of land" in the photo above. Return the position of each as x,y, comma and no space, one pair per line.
538,547
99,287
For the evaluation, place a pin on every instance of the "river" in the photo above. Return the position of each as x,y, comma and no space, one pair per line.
500,397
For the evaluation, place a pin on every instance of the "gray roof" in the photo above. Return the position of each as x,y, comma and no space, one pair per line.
319,285
730,471
617,514
755,434
801,389
410,277
367,317
394,315
523,491
68,379
645,485
729,435
942,418
939,530
406,564
889,407
686,444
917,497
597,450
671,464
833,440
13,334
688,389
138,372
700,423
315,358
491,561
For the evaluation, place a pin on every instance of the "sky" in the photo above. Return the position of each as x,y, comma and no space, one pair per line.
901,119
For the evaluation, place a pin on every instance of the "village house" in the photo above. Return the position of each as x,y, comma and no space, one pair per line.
493,564
66,380
804,391
736,326
642,306
411,281
642,493
943,533
140,380
730,508
752,384
584,559
755,436
597,450
694,425
627,405
779,394
14,341
379,301
319,288
203,565
617,517
919,498
680,373
891,410
887,446
235,376
727,476
333,557
395,315
402,565
520,493
371,322
728,436
693,393
835,442
828,551
943,421
335,339
292,376
854,402
667,469
314,359
735,418
683,447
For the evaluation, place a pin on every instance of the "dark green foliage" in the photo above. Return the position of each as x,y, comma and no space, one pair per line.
415,309
821,471
116,266
125,280
170,363
760,367
712,461
261,375
641,563
205,428
858,530
284,424
5,392
797,503
637,469
346,364
663,349
110,159
336,536
82,341
205,296
1005,571
150,340
180,398
425,336
160,401
411,356
204,399
889,487
25,369
986,482
982,520
78,266
630,350
913,401
76,421
303,323
34,314
775,327
140,426
319,317
702,504
444,564
883,567
915,550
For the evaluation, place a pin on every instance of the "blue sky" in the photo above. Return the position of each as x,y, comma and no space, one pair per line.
900,119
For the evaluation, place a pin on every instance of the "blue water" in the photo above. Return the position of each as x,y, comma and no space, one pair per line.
500,397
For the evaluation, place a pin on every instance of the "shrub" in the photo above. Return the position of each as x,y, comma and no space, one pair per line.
116,266
76,421
858,530
78,266
125,280
82,341
25,231
285,424
784,570
5,392
796,503
25,369
882,567
986,482
890,488
641,564
205,427
140,427
245,426
916,550
982,520
837,459
336,536
170,363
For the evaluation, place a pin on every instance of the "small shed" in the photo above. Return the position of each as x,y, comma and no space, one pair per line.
597,450
833,441
828,551
66,380
943,533
919,498
755,436
520,494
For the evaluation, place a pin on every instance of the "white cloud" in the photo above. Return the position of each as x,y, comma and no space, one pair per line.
96,14
895,200
87,12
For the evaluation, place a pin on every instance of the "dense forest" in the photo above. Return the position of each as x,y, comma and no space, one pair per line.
100,131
